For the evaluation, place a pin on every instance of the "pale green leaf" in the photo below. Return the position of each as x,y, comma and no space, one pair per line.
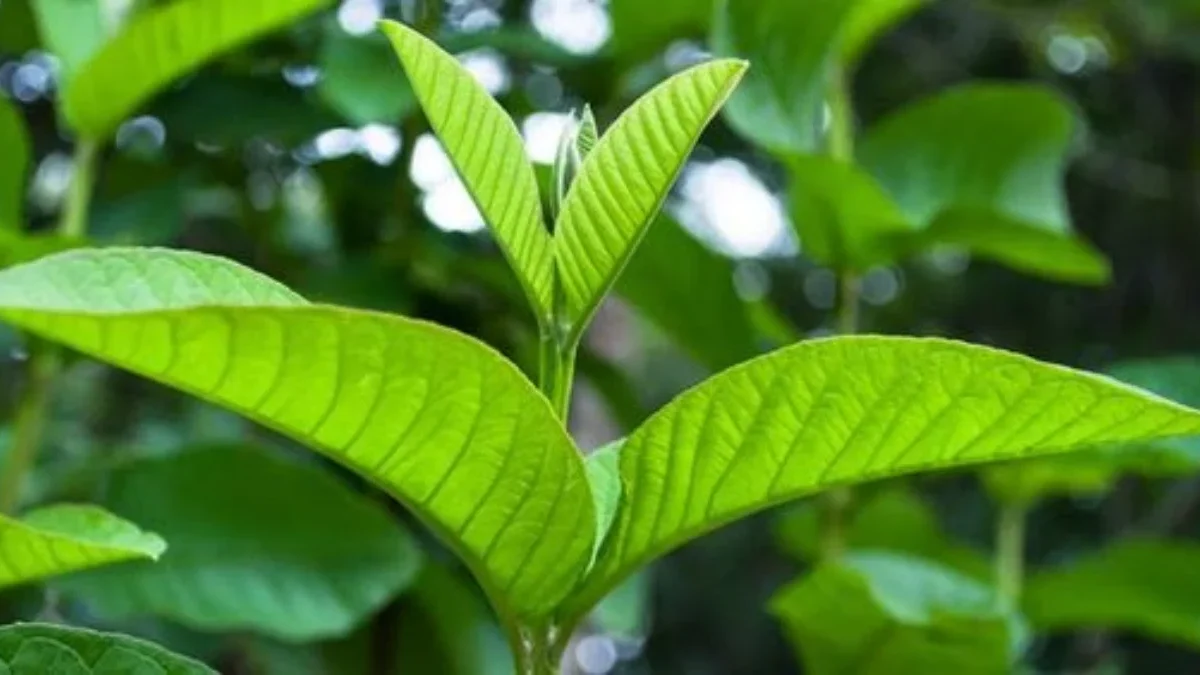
304,560
668,274
489,155
604,477
161,44
55,540
886,614
26,648
14,161
846,410
361,79
626,178
439,420
1176,378
73,30
1145,586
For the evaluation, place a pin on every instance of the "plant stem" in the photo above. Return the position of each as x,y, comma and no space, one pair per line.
1010,552
536,654
45,361
557,372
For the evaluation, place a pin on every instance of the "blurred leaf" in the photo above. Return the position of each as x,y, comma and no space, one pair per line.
18,31
848,410
623,183
894,519
445,629
361,79
153,214
73,30
894,615
55,540
436,418
687,290
19,247
1079,474
1176,378
159,45
868,20
258,544
981,167
625,612
640,28
13,164
1145,586
33,649
496,171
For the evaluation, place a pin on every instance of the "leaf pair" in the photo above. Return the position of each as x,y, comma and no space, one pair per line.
620,187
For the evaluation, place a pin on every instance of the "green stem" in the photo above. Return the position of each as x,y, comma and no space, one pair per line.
840,141
557,372
1010,552
45,361
536,655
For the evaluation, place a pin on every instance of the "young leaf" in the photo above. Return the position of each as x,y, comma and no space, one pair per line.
73,30
436,418
886,614
626,178
1149,587
55,540
982,166
160,44
13,163
489,155
846,410
308,559
45,648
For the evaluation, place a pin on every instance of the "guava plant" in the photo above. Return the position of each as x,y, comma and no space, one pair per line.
477,451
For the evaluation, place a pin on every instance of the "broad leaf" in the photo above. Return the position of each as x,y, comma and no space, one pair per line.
159,45
846,410
870,19
489,155
73,30
14,160
55,540
34,648
361,79
639,28
1146,586
668,273
895,520
981,167
1176,378
625,179
446,629
304,560
878,613
439,420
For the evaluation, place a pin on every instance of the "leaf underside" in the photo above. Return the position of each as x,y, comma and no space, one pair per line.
61,650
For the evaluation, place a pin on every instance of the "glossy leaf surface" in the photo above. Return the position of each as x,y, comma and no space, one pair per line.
35,648
438,419
55,540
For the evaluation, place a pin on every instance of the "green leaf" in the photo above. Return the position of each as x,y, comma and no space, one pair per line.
361,80
981,166
445,629
488,153
896,615
625,179
13,164
604,477
895,520
159,45
666,275
439,420
73,30
847,410
18,247
868,20
1176,378
639,29
307,559
37,649
55,540
1145,586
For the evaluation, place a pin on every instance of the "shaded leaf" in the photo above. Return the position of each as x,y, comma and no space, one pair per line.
54,540
868,20
13,164
73,30
846,410
488,154
439,420
307,559
625,179
1145,586
445,629
686,289
639,28
159,45
361,79
33,648
896,615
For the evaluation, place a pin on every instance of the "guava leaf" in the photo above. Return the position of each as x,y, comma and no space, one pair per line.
439,420
160,44
361,79
489,155
448,630
73,30
625,179
868,20
847,410
639,28
881,613
306,559
1146,586
34,648
14,161
54,540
